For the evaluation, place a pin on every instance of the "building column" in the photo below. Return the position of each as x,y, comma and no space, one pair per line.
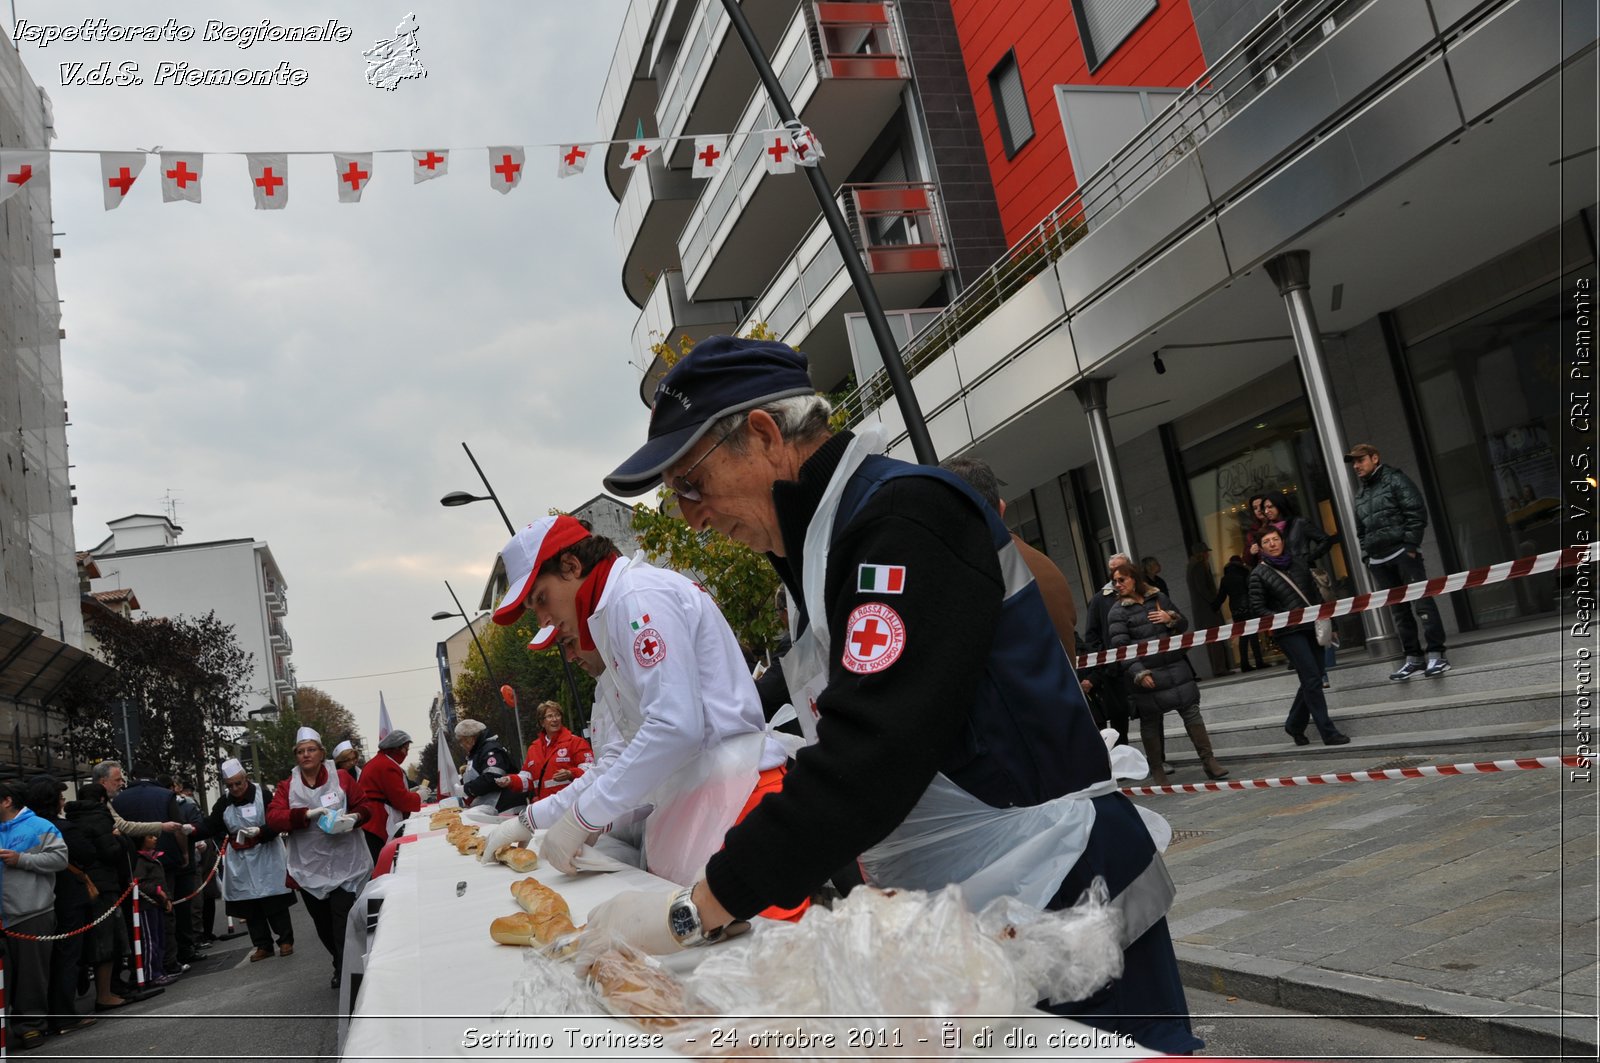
1091,393
1291,272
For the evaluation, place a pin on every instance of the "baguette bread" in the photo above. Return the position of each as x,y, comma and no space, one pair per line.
517,858
545,907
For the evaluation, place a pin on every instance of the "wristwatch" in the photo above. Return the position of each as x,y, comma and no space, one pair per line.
686,927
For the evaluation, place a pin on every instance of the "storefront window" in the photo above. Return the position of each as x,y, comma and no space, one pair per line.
1488,391
1022,517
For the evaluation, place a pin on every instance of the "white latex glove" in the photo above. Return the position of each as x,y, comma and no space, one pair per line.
188,828
564,841
511,832
425,792
635,916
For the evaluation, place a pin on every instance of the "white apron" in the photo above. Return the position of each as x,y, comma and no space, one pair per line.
697,804
322,863
949,836
258,872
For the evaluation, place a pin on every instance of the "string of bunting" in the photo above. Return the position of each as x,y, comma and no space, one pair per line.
1360,603
1333,778
182,173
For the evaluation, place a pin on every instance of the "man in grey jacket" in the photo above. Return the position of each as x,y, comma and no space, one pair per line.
1390,517
31,852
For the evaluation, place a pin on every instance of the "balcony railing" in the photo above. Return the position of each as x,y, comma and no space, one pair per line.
1282,40
858,40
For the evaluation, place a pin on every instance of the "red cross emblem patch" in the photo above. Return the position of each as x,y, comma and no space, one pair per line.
874,639
648,648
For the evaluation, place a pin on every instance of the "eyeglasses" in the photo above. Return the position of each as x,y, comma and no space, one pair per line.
682,486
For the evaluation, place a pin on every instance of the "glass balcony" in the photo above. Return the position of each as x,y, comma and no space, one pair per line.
668,316
745,218
652,213
630,91
897,233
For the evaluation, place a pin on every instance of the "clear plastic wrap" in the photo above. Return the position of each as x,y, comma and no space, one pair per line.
1064,955
546,987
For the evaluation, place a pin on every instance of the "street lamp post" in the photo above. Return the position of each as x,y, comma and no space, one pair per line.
463,498
488,670
872,310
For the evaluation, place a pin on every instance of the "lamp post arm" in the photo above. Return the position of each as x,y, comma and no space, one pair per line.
510,529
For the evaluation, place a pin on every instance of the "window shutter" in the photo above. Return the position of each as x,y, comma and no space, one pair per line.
1011,105
1107,23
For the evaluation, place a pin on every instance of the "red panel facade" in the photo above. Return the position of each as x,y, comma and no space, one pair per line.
1164,51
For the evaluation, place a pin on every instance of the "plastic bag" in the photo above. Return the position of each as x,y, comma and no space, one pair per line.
546,987
1064,955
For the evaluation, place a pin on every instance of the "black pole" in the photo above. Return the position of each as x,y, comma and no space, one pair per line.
516,717
910,410
510,530
561,651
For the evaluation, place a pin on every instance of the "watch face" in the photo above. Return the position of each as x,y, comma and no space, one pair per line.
682,922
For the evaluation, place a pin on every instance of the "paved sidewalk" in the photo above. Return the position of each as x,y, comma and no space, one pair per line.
1466,905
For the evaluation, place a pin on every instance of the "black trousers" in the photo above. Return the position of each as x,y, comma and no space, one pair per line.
66,958
185,882
262,927
328,916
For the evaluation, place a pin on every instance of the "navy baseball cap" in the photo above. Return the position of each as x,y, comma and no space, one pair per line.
722,375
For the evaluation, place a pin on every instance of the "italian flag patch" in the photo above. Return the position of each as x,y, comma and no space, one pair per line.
640,623
881,579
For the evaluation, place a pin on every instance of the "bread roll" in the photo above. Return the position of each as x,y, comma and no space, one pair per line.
517,858
469,845
642,989
548,909
513,929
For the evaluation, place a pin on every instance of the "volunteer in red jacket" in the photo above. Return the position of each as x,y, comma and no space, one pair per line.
383,784
555,758
317,810
697,748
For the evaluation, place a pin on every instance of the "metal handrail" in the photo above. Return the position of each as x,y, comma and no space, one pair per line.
1279,41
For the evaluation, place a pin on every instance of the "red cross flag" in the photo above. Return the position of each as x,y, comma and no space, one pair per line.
19,169
638,151
505,168
709,153
118,171
807,148
571,159
180,176
269,178
777,151
428,164
353,171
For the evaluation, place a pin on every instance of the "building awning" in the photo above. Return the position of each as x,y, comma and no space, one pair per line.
34,667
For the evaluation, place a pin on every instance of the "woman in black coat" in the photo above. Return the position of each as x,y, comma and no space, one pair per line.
1160,682
1235,586
1280,583
1302,538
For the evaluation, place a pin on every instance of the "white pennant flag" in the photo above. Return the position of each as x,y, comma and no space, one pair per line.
354,171
19,169
777,151
807,148
708,155
505,168
449,778
269,179
571,159
180,176
118,171
428,164
384,726
638,151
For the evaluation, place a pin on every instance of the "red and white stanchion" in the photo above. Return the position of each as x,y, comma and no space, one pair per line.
138,941
1360,603
1333,778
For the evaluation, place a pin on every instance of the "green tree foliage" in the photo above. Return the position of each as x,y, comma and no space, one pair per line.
428,764
269,745
187,680
535,677
335,723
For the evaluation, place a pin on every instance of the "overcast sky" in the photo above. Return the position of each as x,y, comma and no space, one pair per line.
306,376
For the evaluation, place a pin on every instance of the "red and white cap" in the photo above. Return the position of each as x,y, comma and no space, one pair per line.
523,555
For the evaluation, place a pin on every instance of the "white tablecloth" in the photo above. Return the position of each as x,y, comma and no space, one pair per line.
431,975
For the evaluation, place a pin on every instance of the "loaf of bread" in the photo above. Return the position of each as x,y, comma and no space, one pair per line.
642,989
548,909
445,817
513,929
469,845
517,858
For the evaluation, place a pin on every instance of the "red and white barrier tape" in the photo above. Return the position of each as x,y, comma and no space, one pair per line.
1360,603
1487,767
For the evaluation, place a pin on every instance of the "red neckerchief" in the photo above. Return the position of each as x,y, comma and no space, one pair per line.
589,598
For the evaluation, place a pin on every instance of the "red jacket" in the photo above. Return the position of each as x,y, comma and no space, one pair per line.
282,818
384,786
546,756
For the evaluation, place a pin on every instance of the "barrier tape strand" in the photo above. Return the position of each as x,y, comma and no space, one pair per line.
107,913
1487,767
1360,603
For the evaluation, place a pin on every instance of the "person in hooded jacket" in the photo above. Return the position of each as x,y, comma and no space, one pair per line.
107,944
32,850
1162,682
487,763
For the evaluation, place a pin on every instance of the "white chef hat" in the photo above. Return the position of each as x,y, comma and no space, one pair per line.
307,734
232,767
342,747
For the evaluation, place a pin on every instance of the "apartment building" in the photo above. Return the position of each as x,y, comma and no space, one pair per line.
41,623
1356,221
238,579
883,87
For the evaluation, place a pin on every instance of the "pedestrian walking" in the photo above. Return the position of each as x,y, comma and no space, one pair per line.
255,887
1280,583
